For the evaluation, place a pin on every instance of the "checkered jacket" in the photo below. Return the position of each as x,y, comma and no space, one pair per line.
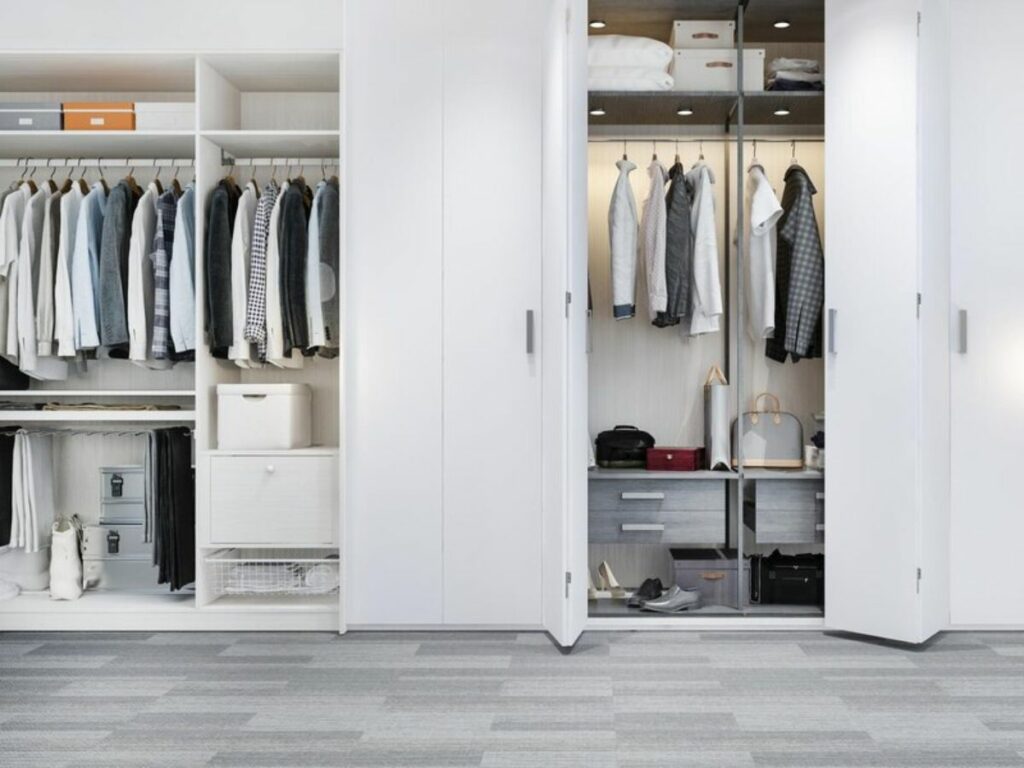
256,303
799,273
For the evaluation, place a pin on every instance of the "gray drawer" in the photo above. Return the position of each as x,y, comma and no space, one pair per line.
676,526
656,495
788,494
32,116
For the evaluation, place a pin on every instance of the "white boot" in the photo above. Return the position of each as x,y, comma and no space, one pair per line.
66,560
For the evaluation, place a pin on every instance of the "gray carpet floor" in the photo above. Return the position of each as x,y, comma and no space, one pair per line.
505,699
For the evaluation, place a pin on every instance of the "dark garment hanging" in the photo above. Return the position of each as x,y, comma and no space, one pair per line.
6,481
113,270
220,224
328,212
799,274
175,513
293,243
678,249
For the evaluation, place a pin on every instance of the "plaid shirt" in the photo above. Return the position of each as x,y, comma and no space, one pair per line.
256,303
166,211
799,273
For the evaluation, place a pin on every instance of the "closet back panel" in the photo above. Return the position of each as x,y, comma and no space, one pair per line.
650,377
492,277
393,315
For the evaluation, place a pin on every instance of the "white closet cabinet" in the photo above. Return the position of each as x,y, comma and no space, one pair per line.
444,463
987,371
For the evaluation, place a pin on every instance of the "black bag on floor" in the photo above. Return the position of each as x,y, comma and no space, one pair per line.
778,579
623,448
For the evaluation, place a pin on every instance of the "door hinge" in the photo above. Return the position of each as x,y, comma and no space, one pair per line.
568,581
919,305
568,301
919,581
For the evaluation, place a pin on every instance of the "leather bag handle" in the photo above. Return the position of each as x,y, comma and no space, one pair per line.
776,412
715,375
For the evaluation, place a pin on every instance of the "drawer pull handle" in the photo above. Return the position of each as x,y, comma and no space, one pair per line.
627,527
642,495
712,576
270,469
819,527
819,496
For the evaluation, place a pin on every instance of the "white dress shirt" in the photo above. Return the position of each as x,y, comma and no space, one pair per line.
707,286
241,250
140,277
763,211
63,309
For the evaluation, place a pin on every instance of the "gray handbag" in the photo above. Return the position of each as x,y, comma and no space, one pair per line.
716,420
771,438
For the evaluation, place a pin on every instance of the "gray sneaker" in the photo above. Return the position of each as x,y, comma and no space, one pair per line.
675,600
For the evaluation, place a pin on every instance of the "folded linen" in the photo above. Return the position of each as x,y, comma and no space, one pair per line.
786,64
626,51
629,79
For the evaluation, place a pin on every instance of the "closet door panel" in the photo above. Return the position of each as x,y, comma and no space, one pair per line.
987,367
871,253
492,269
393,305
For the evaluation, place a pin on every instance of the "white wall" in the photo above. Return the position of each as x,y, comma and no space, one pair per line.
129,25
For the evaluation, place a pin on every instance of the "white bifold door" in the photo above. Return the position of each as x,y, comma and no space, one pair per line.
884,410
447,495
987,240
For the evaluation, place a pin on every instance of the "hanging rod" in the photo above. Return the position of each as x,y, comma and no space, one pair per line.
69,432
666,140
226,159
96,162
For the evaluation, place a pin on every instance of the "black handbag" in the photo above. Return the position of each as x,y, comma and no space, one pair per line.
624,447
778,579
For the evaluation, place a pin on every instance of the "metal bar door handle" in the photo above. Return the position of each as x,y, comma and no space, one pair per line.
833,314
529,331
962,333
643,495
633,527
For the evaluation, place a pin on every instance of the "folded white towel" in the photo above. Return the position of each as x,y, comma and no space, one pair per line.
625,51
629,79
784,64
798,77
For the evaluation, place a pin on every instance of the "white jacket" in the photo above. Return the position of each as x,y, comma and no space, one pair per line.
275,320
241,250
653,225
622,233
140,277
706,287
63,309
763,211
10,241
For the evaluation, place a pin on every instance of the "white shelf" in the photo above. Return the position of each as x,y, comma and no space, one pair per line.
300,71
598,473
312,603
102,144
783,474
247,143
96,417
56,394
64,71
313,451
112,601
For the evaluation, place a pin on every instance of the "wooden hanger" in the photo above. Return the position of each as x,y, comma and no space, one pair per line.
156,181
175,184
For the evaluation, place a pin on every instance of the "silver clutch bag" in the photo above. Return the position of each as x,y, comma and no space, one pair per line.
771,438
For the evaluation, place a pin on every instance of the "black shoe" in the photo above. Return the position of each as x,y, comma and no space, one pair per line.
651,589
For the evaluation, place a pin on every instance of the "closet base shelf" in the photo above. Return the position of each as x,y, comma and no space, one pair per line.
96,417
289,603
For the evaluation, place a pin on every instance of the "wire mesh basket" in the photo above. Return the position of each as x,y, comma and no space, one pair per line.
273,571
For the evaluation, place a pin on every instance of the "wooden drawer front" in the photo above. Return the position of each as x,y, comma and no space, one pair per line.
288,500
656,495
789,494
636,526
789,526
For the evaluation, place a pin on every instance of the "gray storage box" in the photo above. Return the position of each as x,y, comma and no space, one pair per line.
122,494
713,572
115,541
30,116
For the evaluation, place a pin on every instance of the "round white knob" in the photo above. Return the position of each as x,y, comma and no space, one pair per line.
270,469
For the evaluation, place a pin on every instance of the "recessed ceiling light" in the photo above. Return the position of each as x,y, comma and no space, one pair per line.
597,112
781,24
598,24
781,112
684,112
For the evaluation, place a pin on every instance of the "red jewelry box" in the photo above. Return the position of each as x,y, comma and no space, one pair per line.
675,459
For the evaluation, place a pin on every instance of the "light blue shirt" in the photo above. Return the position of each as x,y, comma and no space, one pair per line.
182,274
85,268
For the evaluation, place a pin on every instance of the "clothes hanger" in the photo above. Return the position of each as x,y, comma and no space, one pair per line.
83,185
69,182
754,162
677,160
50,182
156,180
31,184
175,184
103,178
625,156
792,159
654,151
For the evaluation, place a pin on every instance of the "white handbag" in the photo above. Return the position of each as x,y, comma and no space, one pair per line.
66,559
716,420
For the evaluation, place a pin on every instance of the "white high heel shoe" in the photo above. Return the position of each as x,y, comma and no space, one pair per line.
591,589
608,580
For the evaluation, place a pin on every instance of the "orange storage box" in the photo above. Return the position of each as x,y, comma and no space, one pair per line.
99,116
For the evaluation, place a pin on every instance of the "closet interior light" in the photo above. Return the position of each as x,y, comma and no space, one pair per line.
684,111
783,112
781,24
598,24
597,112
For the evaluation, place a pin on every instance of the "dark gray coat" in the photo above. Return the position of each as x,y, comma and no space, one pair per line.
113,272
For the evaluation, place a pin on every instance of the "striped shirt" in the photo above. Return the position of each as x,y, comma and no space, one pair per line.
166,210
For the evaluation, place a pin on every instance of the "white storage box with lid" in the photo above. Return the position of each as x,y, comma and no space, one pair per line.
708,69
703,34
263,416
165,115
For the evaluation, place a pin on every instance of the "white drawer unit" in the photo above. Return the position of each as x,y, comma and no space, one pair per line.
714,69
703,34
274,499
